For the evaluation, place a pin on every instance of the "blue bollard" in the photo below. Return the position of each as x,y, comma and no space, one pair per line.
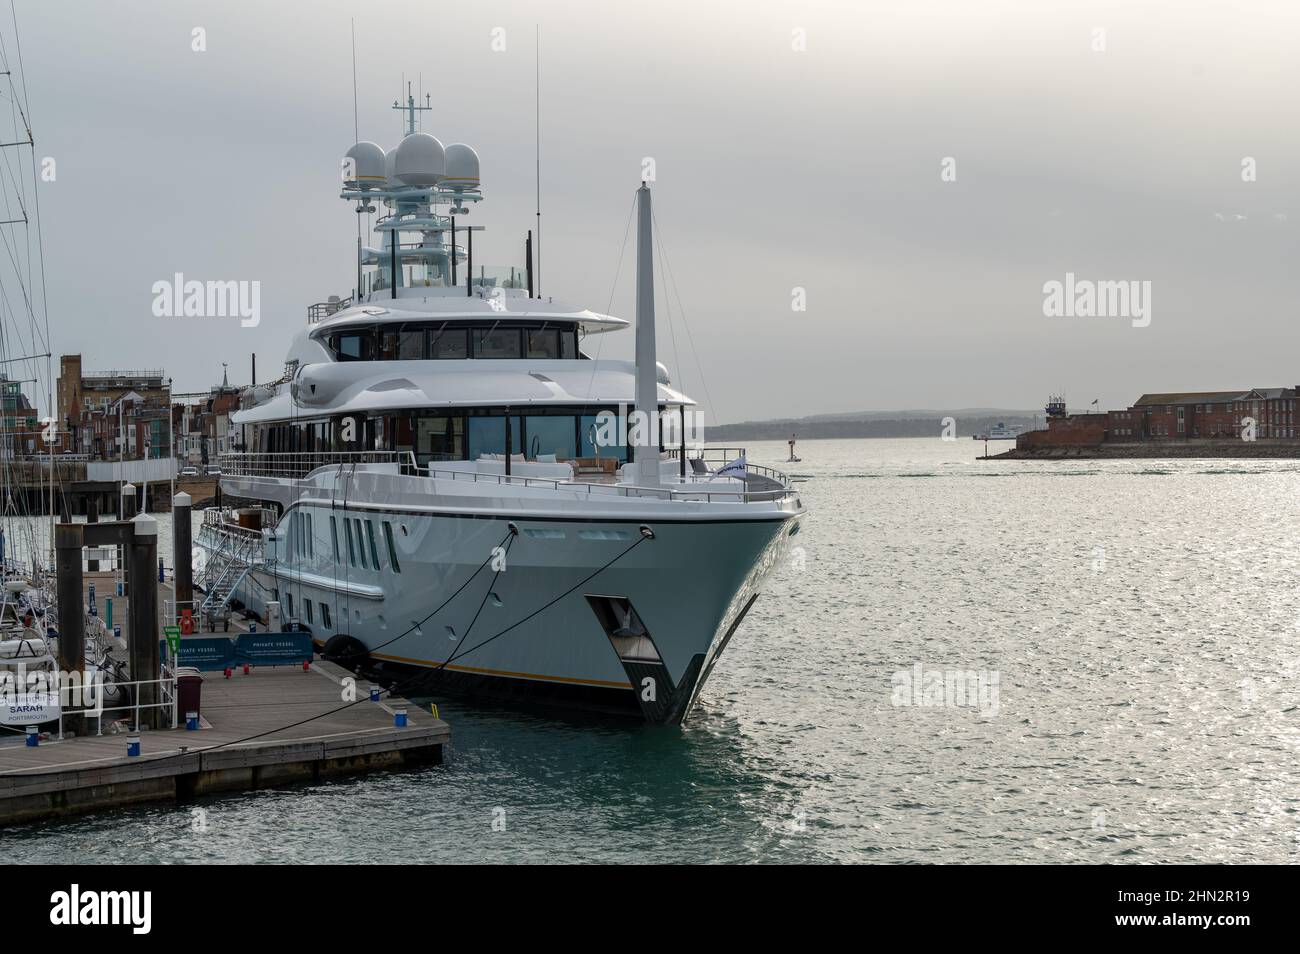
374,693
33,737
399,718
252,627
133,745
192,721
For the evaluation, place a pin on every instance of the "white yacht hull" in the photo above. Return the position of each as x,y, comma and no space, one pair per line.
527,626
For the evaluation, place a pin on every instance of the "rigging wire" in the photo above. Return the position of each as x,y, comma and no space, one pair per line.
613,288
681,310
668,307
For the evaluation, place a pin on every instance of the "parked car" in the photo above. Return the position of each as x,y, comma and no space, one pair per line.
189,471
212,470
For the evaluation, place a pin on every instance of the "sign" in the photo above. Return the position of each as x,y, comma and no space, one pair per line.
29,708
205,652
209,653
274,649
173,634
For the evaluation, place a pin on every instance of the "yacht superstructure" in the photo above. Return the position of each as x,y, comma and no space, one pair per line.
446,488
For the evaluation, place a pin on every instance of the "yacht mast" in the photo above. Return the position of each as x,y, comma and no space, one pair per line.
646,446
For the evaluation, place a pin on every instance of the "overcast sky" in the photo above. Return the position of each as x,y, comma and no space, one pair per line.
777,168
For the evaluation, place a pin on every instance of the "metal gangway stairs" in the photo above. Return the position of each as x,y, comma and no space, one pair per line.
238,551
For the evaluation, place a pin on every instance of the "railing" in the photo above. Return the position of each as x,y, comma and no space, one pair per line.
323,309
715,457
167,701
219,521
233,554
301,464
173,610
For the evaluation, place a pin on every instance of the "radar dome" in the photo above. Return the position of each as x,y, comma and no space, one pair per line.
365,165
390,161
461,167
420,160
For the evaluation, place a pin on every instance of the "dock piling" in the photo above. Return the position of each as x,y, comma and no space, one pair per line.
182,547
68,541
142,633
92,516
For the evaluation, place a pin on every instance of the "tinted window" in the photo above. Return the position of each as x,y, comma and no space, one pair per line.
355,346
449,343
497,343
487,435
550,434
410,344
543,343
392,549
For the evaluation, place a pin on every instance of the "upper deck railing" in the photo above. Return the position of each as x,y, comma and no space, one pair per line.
771,484
323,309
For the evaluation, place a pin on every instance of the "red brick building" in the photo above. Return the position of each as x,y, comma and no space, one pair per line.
1258,413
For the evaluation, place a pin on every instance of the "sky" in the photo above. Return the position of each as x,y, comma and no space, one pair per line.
913,174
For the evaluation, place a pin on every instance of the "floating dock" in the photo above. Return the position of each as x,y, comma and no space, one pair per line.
241,745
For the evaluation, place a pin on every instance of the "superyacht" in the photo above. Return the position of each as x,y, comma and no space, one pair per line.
445,489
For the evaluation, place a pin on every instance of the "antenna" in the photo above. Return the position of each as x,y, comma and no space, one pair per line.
537,91
411,109
356,137
356,123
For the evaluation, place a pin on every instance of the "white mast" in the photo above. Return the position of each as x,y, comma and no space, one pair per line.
646,448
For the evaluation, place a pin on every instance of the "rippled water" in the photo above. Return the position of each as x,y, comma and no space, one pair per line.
1140,618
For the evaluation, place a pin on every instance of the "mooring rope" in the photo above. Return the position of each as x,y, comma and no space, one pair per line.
646,534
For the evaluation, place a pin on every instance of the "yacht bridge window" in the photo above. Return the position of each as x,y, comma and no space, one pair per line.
445,340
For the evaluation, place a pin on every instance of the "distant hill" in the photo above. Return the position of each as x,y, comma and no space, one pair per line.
864,424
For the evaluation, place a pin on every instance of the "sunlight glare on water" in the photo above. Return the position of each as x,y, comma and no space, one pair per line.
1139,618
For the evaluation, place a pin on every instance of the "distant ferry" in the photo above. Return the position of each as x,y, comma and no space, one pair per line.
999,432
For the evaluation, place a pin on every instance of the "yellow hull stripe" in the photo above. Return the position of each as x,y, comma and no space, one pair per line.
502,672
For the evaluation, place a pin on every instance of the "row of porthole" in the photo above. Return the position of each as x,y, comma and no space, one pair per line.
327,623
